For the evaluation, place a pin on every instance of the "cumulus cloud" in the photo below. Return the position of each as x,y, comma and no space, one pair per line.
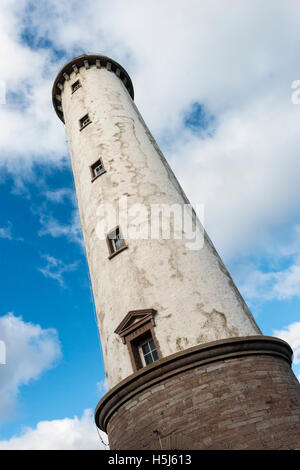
60,434
291,334
30,351
237,65
245,173
29,128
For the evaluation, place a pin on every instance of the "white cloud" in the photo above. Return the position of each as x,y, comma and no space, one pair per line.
237,63
291,334
59,434
102,386
287,282
54,228
278,285
55,268
60,195
30,350
279,276
28,126
245,173
5,232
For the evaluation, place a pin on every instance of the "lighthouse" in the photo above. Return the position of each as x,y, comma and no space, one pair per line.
186,364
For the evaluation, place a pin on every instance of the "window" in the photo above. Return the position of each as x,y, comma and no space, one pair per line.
115,242
149,351
76,85
97,169
84,121
137,332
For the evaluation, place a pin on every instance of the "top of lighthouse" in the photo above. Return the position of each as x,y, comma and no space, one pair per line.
86,61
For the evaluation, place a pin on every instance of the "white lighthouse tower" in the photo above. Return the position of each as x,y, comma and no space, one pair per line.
170,318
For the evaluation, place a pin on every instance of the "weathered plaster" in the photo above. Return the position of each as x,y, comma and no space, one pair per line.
195,297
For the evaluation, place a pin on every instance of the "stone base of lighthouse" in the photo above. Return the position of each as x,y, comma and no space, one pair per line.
238,393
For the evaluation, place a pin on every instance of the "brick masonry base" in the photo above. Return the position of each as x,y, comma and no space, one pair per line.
233,394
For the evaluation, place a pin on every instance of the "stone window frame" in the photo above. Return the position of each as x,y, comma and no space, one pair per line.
74,85
111,251
81,120
94,166
134,333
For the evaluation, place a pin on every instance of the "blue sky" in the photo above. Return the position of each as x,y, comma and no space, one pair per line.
214,87
63,302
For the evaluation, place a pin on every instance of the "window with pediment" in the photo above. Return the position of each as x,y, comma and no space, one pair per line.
137,332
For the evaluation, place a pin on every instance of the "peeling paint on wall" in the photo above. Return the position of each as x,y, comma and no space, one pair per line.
195,297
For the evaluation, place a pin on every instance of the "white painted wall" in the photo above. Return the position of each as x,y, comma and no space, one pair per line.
192,292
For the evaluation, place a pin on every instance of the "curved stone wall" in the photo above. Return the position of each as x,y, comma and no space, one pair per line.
234,394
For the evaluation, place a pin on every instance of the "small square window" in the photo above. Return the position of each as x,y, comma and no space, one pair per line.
97,169
76,85
84,121
115,242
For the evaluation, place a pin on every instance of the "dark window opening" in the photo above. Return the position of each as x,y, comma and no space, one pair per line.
76,85
84,121
115,241
149,351
144,349
97,169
